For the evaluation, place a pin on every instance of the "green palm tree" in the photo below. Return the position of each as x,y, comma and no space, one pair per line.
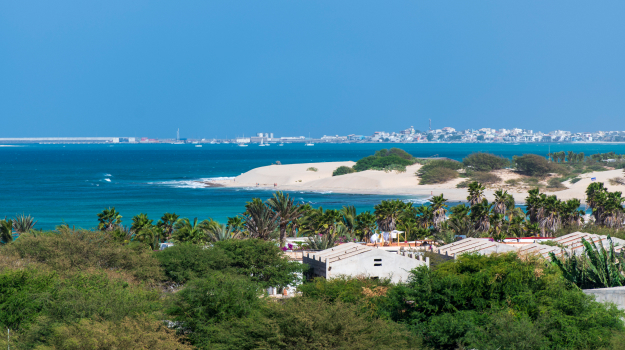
109,219
260,221
349,218
23,223
140,222
286,210
150,235
480,215
236,225
365,224
387,212
439,209
476,193
222,233
503,202
462,226
425,216
191,232
6,231
167,223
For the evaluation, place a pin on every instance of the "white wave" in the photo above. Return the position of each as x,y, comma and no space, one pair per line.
108,175
197,183
107,180
417,200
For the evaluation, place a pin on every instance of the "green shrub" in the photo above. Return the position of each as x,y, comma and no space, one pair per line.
437,176
342,170
555,183
485,177
485,162
184,262
512,182
130,333
533,165
79,250
464,184
465,303
312,168
438,171
575,179
344,289
383,159
262,261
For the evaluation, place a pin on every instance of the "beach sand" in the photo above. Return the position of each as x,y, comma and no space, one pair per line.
296,177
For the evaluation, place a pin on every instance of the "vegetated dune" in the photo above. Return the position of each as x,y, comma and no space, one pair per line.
296,177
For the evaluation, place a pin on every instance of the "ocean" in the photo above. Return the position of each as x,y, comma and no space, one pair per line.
72,183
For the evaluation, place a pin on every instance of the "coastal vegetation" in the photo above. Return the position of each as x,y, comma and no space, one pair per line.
524,172
342,170
393,159
112,286
438,171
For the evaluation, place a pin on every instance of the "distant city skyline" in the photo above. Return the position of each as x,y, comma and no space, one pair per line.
224,69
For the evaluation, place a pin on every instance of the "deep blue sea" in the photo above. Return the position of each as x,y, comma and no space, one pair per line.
72,183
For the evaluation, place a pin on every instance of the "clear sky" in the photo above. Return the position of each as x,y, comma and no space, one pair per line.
228,68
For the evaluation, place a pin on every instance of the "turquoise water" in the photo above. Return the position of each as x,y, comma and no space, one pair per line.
72,183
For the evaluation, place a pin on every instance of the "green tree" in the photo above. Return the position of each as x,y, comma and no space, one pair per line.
485,162
191,232
476,193
109,219
167,223
260,220
6,231
286,210
387,213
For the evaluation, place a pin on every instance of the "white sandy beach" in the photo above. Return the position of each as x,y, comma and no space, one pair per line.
296,177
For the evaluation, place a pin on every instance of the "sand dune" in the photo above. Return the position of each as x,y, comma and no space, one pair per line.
296,177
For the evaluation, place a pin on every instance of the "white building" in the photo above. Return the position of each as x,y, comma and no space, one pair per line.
353,259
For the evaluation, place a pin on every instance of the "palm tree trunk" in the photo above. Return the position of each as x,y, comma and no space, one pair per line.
282,235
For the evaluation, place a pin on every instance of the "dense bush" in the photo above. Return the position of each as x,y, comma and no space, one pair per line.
80,250
184,262
383,159
485,177
533,165
342,170
485,162
262,261
129,333
227,313
469,302
438,171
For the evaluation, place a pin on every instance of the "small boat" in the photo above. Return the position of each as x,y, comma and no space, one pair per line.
282,144
263,144
198,145
309,144
242,145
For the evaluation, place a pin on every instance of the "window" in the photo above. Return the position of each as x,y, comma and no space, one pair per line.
377,262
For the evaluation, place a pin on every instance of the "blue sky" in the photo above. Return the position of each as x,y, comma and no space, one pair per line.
227,68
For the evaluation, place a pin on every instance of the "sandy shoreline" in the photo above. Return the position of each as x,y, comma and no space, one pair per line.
297,177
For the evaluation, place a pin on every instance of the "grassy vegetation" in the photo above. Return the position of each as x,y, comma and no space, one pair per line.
342,170
312,168
438,171
485,162
484,177
385,158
